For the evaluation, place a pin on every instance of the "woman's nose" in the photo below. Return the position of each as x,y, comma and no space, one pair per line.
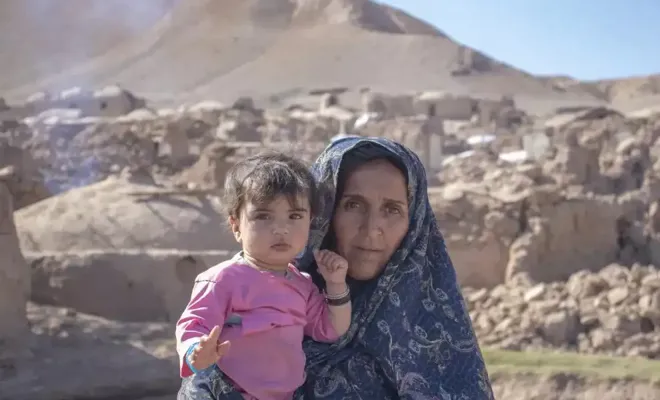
373,225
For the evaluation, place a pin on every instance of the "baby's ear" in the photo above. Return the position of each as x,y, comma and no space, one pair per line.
235,228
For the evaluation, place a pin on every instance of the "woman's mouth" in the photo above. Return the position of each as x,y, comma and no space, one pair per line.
367,250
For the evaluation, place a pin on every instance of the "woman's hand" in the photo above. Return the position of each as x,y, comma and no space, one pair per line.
208,351
332,266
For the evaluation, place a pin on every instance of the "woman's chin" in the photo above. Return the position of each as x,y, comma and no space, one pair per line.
365,274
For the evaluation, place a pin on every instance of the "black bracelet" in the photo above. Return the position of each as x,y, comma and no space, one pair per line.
340,301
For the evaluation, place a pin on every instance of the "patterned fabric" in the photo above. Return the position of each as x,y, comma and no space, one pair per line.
411,337
209,384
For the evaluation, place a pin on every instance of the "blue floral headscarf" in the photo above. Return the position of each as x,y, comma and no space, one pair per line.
411,336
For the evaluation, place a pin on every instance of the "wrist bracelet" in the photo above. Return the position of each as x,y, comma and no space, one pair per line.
188,353
337,296
340,301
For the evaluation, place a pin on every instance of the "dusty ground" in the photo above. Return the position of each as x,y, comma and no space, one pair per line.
136,361
109,360
570,387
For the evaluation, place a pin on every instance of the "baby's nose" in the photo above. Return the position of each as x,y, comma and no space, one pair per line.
281,230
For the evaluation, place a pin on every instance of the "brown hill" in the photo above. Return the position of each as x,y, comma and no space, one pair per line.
193,49
625,93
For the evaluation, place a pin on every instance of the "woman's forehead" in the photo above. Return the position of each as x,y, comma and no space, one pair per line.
379,177
379,166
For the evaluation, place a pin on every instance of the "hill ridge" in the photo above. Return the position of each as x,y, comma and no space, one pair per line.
177,50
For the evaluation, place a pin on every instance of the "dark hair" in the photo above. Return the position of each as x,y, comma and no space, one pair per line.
262,177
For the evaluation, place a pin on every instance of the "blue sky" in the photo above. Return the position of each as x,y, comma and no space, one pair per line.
586,39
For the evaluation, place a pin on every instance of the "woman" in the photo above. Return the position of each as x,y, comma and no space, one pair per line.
411,336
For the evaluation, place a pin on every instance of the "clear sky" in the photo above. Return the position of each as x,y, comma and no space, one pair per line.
586,39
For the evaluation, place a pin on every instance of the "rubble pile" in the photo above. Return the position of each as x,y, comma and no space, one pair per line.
75,151
548,220
613,311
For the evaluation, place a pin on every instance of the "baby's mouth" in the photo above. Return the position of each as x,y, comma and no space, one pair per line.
281,246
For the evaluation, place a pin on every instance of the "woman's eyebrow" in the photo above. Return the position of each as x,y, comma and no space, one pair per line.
403,203
388,200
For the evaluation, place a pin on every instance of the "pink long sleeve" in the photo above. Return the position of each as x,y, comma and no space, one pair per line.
319,325
208,307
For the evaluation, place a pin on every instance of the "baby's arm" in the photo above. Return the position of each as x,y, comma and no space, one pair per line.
207,308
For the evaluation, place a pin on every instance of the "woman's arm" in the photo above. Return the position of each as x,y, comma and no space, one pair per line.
339,305
326,322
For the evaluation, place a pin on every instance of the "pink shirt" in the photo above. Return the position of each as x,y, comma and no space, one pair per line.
265,359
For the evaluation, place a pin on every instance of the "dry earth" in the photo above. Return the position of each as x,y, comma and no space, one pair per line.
570,387
127,361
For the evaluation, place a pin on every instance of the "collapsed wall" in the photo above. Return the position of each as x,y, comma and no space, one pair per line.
546,234
589,201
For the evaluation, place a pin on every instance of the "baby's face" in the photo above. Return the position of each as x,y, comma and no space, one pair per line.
275,233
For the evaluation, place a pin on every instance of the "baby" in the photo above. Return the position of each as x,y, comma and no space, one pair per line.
248,315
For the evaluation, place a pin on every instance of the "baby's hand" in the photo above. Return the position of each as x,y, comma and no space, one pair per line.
208,351
332,266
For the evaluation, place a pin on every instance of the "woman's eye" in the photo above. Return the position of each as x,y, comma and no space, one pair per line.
262,216
351,205
295,216
394,210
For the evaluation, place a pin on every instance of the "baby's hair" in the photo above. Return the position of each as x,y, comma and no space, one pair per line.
260,178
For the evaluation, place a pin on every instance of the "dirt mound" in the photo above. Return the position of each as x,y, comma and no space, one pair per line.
125,216
364,14
224,49
124,285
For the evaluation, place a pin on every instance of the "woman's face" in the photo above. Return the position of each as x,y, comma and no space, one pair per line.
371,218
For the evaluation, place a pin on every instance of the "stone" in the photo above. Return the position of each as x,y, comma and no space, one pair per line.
535,293
617,295
560,327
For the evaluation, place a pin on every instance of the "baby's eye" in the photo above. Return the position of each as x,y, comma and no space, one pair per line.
296,216
262,216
